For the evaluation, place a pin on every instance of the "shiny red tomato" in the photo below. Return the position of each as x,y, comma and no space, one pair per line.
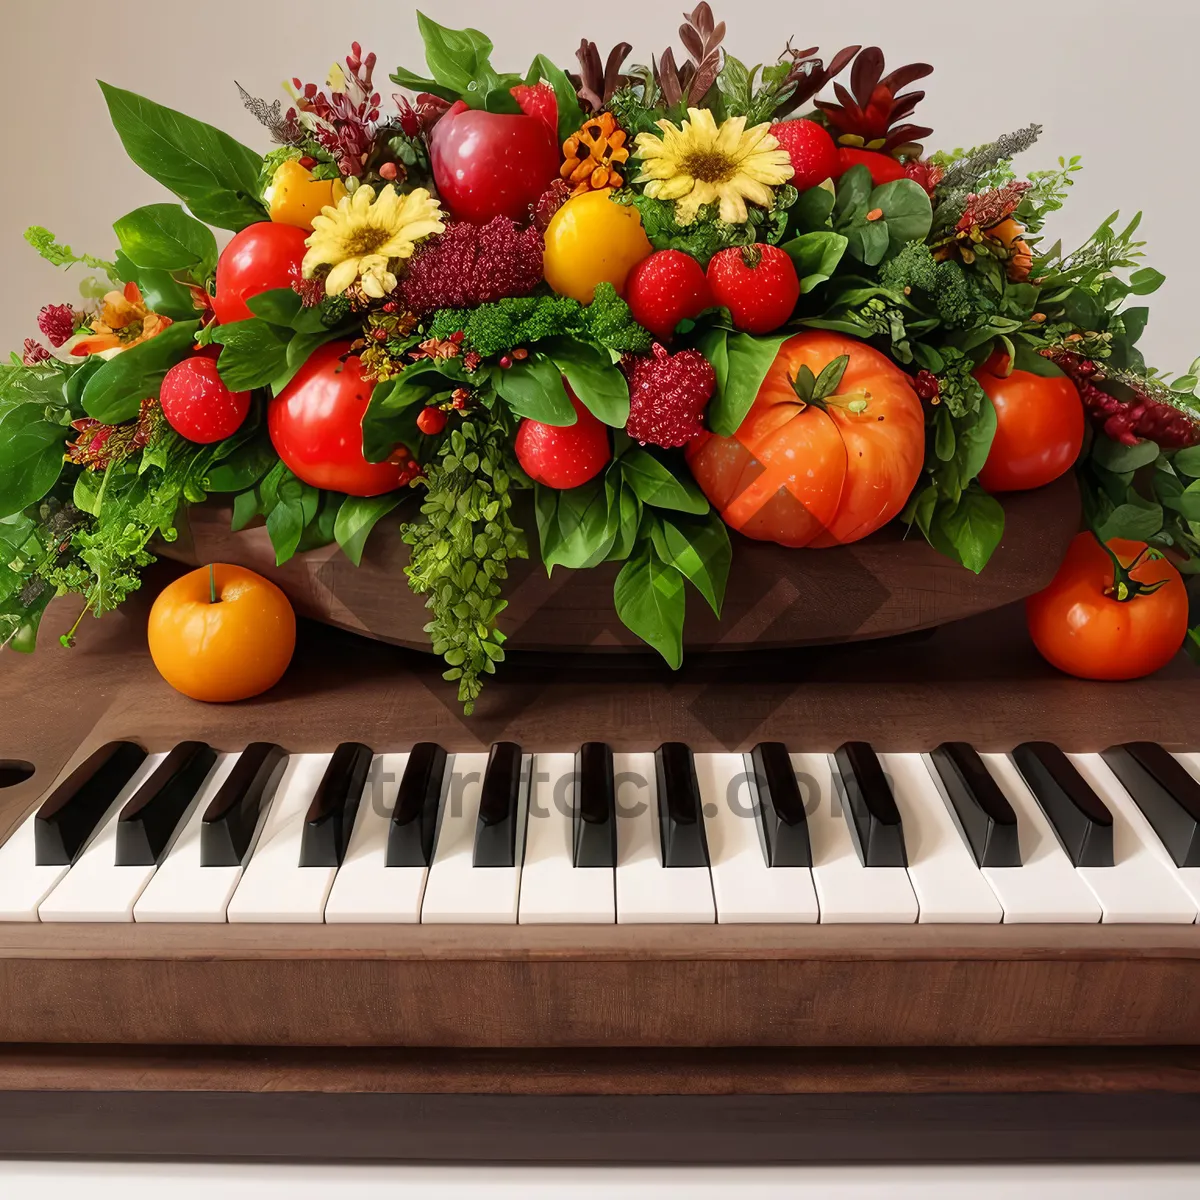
315,425
1039,428
490,165
257,260
1080,626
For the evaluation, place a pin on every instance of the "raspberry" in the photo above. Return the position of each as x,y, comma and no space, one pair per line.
667,395
57,323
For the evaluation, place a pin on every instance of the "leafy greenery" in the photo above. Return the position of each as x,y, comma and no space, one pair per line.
116,390
165,238
212,173
42,240
462,547
459,61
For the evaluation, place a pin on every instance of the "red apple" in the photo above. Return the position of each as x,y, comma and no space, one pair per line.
490,165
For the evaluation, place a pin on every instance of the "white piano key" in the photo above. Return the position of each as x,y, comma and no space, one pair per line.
1045,888
941,867
458,892
1189,877
182,890
274,886
95,888
745,889
1140,887
366,889
647,892
553,890
847,892
23,884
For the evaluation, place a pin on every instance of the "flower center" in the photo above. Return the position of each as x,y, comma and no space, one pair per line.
709,166
367,239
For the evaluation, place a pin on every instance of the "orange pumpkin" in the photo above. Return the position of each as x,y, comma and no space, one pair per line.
824,473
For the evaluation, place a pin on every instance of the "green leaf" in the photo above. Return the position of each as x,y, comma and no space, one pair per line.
459,60
282,306
391,414
575,527
625,511
697,547
534,388
246,507
1116,456
1137,521
1028,359
654,483
812,209
1188,461
295,505
31,456
212,173
1146,280
161,291
570,111
853,192
357,517
907,212
299,350
970,530
593,377
164,237
649,599
255,353
747,361
868,242
1135,321
243,468
815,255
115,392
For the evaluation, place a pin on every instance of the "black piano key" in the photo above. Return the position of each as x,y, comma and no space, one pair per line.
414,818
782,822
1166,792
330,818
680,820
1079,816
147,824
228,825
67,819
595,807
499,806
871,810
984,813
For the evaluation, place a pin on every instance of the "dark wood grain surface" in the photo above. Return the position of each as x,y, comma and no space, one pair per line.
886,584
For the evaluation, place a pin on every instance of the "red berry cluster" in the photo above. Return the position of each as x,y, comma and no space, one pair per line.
470,265
1126,421
57,323
667,395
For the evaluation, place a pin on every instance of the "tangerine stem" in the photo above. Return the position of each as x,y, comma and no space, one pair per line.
212,583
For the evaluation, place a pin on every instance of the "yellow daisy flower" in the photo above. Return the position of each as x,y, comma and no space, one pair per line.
701,164
363,235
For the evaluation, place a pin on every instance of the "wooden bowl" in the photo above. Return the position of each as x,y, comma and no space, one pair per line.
886,584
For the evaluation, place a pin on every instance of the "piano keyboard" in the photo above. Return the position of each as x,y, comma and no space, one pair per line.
662,837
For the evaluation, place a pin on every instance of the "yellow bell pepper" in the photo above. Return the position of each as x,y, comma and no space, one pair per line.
295,197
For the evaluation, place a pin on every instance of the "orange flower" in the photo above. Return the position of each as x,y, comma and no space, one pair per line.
594,154
124,321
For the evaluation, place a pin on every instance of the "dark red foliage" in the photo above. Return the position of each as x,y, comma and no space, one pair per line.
552,199
57,323
667,395
417,119
874,105
991,207
345,121
470,265
1127,421
927,174
34,353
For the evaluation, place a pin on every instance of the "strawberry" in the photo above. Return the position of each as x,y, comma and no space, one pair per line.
758,284
563,456
666,288
538,100
812,151
667,395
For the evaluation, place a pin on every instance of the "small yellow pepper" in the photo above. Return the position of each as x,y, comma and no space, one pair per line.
295,197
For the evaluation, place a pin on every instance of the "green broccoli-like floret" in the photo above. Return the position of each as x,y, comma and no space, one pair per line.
503,325
915,269
955,300
610,321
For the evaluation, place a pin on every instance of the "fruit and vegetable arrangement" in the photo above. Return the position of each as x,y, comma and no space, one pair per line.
678,305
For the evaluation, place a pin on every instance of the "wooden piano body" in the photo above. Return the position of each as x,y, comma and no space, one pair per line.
620,1043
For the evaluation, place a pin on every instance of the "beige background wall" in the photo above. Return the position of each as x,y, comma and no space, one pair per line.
1112,80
